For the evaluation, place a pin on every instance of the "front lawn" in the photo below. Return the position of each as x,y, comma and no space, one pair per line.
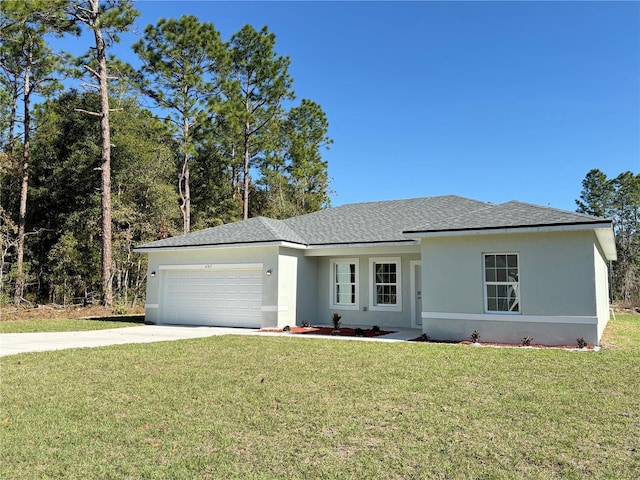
271,407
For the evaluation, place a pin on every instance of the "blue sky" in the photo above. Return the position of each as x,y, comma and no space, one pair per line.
489,100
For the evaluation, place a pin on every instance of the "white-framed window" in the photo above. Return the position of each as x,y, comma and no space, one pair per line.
501,282
345,281
385,284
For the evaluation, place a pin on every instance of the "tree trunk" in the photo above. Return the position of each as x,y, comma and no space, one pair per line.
24,188
105,164
183,182
245,178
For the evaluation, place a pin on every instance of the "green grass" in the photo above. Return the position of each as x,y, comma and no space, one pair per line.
283,407
69,324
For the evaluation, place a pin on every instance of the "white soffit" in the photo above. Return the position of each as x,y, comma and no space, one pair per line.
607,242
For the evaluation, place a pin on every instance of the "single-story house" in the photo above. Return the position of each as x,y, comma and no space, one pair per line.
447,265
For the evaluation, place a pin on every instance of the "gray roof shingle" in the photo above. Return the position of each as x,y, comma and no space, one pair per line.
506,215
376,222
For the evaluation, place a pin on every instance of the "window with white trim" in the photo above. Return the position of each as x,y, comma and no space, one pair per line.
385,284
344,284
501,280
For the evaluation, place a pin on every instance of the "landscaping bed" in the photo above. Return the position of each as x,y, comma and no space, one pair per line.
342,332
503,345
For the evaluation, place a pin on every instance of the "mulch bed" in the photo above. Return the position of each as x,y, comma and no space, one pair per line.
343,332
503,345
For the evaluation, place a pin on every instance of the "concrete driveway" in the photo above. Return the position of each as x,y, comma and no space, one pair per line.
13,343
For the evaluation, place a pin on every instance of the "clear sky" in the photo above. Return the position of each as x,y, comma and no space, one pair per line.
495,101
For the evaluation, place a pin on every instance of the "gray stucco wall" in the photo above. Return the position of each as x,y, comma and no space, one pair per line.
364,316
558,279
307,287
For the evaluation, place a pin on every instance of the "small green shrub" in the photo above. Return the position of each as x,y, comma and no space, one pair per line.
336,321
582,343
120,310
475,336
526,341
375,329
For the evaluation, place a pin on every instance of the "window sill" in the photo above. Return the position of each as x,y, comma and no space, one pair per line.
344,307
390,308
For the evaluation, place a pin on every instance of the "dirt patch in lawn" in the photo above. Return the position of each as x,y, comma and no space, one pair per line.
343,332
54,311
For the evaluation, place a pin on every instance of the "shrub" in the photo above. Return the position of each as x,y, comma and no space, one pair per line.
475,336
526,341
582,343
336,321
120,309
359,332
375,329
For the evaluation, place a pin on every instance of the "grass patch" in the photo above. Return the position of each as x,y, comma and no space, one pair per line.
69,324
270,407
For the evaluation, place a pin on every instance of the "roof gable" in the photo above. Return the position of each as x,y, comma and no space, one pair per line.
253,230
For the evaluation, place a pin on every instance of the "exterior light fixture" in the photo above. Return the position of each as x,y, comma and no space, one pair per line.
153,274
268,272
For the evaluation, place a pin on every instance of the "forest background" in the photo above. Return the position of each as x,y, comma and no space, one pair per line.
88,173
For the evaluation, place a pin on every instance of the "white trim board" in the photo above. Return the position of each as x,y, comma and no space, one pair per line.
274,308
487,317
214,266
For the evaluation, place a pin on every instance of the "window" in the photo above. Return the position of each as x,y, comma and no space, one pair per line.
344,284
385,286
501,282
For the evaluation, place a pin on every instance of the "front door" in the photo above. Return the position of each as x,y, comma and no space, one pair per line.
416,294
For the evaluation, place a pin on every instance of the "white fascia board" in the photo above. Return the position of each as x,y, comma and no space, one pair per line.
379,248
214,247
514,318
213,266
505,230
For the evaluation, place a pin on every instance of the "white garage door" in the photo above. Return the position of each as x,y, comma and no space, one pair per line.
230,297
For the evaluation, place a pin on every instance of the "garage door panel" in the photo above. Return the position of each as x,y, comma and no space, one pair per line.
220,297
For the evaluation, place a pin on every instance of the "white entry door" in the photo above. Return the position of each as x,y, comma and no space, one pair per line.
226,297
416,294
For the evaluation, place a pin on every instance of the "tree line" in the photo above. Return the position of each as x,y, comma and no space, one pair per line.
88,173
618,199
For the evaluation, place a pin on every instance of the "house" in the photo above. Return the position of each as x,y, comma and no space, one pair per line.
448,265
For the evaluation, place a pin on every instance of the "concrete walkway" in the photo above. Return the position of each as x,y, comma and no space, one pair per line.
13,343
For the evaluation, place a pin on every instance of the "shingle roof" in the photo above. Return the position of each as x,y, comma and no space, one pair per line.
254,230
376,222
506,215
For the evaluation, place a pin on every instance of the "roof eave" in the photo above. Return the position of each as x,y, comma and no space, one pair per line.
389,243
208,246
557,227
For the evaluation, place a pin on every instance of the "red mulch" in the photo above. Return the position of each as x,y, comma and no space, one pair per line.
343,332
